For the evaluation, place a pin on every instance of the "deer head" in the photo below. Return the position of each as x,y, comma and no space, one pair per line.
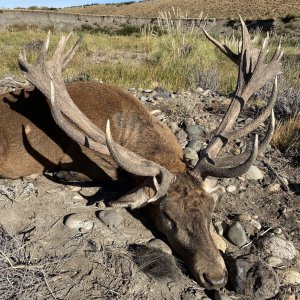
181,199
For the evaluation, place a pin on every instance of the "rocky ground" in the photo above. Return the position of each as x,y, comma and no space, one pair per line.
60,241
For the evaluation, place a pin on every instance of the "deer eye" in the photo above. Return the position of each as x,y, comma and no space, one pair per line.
168,221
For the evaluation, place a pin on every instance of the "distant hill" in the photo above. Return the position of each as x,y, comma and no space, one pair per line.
221,9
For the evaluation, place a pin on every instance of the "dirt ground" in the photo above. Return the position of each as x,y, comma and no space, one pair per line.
42,258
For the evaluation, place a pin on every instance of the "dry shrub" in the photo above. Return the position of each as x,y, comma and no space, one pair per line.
287,136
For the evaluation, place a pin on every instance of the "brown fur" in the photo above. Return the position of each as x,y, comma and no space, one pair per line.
31,142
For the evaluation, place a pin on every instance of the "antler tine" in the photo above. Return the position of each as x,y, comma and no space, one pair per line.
224,49
44,49
240,158
75,133
253,74
135,164
208,169
70,54
43,72
237,134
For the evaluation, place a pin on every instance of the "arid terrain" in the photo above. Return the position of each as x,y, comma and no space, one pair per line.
61,240
225,9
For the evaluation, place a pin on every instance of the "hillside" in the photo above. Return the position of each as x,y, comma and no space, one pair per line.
259,9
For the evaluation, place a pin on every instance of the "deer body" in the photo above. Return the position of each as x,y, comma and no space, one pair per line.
122,133
31,142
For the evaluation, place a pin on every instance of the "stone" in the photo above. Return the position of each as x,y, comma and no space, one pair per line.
148,91
110,217
190,154
206,93
195,130
254,173
161,245
174,127
73,221
161,96
274,261
278,247
237,235
193,162
290,277
277,230
273,188
181,136
231,188
255,278
255,224
199,90
195,145
219,228
144,98
221,296
245,217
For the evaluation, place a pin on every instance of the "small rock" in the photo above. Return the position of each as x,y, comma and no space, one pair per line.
284,180
195,130
195,145
193,162
237,235
248,121
190,154
174,127
221,296
255,224
254,278
278,247
148,91
144,98
277,230
110,217
254,173
290,277
189,122
245,217
275,187
274,261
77,197
161,245
161,96
181,136
231,188
206,93
219,228
74,188
73,221
199,90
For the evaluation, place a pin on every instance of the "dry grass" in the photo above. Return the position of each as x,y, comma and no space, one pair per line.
287,135
261,9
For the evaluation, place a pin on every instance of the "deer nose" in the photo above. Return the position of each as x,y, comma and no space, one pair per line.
212,281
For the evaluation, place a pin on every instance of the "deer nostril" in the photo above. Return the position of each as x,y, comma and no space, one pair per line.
215,282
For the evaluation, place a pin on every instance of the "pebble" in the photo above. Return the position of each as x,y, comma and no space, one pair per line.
219,228
161,96
110,217
254,278
190,154
195,130
245,217
74,188
181,136
277,247
195,145
277,230
148,91
275,187
200,90
161,245
144,98
194,162
290,277
174,127
274,261
231,188
237,235
254,173
255,224
206,93
221,296
74,221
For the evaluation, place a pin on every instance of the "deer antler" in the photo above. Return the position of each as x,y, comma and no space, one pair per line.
253,74
47,77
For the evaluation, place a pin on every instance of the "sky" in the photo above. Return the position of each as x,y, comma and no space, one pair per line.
52,3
